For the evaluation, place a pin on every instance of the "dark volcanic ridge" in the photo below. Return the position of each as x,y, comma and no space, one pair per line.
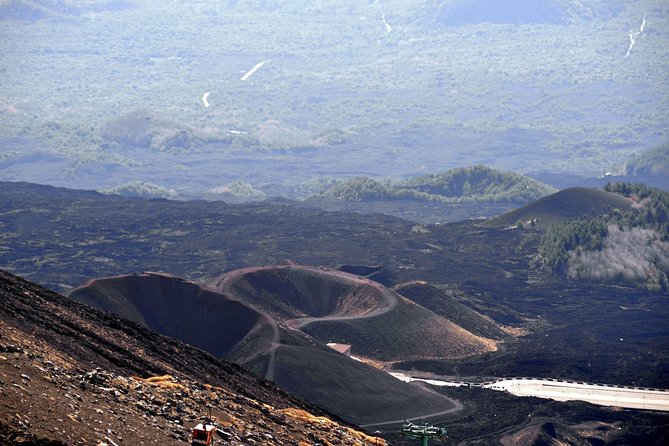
71,374
448,306
255,316
567,204
199,239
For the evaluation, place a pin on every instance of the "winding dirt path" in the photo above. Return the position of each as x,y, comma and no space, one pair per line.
390,302
271,351
458,407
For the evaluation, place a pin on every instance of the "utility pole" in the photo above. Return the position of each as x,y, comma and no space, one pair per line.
424,433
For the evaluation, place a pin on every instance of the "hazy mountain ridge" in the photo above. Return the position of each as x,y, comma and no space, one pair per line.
32,10
561,12
448,12
342,95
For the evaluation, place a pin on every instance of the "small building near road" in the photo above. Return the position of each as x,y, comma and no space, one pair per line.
344,349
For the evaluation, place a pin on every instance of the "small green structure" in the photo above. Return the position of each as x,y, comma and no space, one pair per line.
424,432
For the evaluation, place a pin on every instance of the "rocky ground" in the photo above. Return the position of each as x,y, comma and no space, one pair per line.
70,375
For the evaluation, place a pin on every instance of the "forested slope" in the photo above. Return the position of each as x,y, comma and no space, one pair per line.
630,246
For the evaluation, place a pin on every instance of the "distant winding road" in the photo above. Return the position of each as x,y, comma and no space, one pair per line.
458,406
560,390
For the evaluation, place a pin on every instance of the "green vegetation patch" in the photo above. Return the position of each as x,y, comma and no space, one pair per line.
141,189
143,128
240,190
470,184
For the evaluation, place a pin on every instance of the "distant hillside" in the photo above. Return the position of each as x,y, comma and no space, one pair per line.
464,12
565,205
449,12
32,10
35,10
628,245
654,162
468,185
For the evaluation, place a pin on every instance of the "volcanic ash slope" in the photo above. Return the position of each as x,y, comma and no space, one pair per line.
334,306
265,341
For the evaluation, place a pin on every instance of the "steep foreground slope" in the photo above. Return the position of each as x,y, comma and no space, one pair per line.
227,327
75,375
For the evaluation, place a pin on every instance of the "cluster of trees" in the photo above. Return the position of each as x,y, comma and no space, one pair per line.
632,255
629,246
239,190
561,239
142,128
141,189
475,184
650,210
